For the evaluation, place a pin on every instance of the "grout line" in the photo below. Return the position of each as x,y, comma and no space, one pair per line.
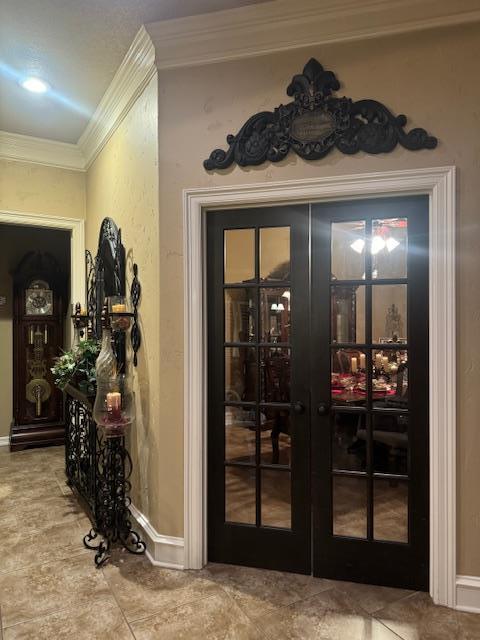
52,612
117,603
174,607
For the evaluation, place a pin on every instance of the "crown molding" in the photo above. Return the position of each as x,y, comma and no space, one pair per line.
134,73
231,35
51,153
282,25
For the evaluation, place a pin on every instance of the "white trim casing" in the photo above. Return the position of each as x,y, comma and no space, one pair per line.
51,153
265,28
4,441
468,593
162,551
76,227
439,183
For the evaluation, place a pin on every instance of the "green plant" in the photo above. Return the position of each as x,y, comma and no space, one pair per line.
77,365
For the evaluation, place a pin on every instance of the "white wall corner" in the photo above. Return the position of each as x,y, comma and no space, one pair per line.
162,551
51,153
468,593
133,75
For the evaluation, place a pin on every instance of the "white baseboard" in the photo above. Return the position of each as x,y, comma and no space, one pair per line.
162,551
4,441
468,593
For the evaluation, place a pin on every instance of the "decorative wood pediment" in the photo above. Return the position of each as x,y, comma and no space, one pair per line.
314,123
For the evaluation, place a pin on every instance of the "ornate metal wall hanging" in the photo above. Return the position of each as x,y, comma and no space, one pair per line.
316,122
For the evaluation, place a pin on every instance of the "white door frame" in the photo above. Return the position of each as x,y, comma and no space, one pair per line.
439,184
76,227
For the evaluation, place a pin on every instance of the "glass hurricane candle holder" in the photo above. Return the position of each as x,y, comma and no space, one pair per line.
113,409
119,312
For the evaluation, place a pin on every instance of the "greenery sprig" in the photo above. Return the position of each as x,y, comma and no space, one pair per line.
77,364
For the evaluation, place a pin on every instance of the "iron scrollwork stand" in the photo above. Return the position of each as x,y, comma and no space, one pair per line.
113,520
98,468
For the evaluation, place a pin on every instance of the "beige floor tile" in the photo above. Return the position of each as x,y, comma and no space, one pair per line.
330,615
370,597
27,548
417,618
59,509
258,591
215,617
468,625
142,589
93,620
43,589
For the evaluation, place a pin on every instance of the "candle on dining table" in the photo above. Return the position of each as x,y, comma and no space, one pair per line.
378,360
114,405
385,361
339,328
119,308
354,364
362,361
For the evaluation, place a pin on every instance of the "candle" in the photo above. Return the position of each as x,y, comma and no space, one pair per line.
362,361
339,328
378,360
114,404
119,308
354,364
385,361
31,334
45,334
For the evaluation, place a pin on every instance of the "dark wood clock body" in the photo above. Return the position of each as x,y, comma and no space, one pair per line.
38,321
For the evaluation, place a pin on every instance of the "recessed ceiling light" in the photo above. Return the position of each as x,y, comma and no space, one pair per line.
35,85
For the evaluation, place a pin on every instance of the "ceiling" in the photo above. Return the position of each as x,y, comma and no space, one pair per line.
76,46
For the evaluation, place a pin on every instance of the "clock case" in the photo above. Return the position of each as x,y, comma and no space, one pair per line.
27,428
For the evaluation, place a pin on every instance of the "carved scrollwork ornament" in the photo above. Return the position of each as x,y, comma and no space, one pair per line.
315,123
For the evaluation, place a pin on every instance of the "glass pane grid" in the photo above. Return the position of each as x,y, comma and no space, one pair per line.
257,378
369,445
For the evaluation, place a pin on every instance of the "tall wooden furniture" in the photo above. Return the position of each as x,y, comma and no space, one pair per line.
39,311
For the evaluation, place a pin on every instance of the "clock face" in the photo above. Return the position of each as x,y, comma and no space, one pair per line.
39,299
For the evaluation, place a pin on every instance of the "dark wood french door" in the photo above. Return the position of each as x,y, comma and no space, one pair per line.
318,389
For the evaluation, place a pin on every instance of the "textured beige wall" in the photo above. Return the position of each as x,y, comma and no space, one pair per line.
431,77
28,188
15,242
122,183
33,188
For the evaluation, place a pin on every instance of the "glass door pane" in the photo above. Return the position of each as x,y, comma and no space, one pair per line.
258,290
370,261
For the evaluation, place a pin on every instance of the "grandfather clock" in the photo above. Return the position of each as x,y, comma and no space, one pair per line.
39,291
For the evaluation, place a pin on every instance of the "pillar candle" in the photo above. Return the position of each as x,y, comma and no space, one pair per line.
378,360
114,404
354,364
119,308
339,328
385,361
362,361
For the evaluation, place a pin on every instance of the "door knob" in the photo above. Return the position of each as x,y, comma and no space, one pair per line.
298,407
322,409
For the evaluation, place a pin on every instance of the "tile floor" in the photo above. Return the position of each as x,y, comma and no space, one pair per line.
49,588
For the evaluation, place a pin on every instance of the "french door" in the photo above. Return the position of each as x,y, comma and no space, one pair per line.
318,389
